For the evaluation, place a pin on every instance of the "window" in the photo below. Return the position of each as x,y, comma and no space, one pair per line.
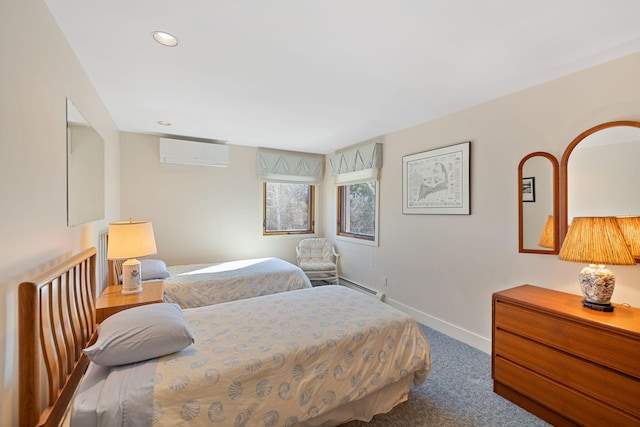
288,208
357,209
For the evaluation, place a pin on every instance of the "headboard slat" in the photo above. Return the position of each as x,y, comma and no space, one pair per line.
70,320
65,355
49,339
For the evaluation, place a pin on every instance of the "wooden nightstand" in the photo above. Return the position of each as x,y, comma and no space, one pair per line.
112,301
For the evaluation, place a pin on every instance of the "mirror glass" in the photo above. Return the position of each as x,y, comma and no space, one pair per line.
603,172
538,174
85,169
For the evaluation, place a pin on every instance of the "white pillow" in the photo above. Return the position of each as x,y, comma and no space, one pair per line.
140,333
153,269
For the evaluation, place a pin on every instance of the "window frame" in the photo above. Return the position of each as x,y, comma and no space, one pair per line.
360,238
312,209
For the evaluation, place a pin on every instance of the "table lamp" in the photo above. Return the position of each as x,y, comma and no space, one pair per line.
546,238
128,240
596,241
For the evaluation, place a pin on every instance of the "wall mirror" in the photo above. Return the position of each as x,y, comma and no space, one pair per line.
538,204
600,173
85,169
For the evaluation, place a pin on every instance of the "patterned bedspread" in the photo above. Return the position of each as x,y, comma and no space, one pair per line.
198,285
282,359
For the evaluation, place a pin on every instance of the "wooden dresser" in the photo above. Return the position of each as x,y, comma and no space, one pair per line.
565,363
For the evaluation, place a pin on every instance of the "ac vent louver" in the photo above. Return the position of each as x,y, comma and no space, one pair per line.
193,153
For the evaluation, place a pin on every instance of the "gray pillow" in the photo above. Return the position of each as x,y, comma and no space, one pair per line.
140,333
153,269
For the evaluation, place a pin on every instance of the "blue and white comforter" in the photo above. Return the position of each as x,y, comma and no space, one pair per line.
276,360
197,285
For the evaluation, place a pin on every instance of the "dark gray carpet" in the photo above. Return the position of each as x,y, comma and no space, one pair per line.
458,392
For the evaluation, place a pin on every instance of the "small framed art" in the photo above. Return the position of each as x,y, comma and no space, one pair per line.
437,181
529,189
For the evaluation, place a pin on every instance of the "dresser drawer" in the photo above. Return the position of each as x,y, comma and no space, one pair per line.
601,383
571,404
603,346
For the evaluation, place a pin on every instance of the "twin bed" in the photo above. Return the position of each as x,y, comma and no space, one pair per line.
313,356
197,285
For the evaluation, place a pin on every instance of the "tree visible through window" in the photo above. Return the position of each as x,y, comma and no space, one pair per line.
288,208
357,210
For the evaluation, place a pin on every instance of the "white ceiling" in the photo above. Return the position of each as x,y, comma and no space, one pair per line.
320,75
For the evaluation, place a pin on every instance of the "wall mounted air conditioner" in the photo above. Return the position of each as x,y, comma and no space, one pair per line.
193,153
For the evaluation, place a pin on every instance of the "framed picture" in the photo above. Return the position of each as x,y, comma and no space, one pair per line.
437,181
529,189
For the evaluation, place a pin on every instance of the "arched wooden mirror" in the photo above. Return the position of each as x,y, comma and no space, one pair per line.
538,204
599,173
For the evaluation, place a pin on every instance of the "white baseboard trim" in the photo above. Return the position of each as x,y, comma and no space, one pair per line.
467,337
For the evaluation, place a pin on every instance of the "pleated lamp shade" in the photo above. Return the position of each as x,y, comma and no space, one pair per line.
546,238
596,241
630,227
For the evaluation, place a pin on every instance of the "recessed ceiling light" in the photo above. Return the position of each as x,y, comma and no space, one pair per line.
165,38
164,123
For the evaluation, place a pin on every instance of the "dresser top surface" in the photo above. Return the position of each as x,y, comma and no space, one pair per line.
569,305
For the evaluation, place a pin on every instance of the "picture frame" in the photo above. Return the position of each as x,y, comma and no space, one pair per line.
436,182
529,189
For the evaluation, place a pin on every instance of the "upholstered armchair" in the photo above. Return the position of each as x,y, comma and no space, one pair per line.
318,259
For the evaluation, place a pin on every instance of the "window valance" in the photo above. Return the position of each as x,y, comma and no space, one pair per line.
288,166
360,163
357,159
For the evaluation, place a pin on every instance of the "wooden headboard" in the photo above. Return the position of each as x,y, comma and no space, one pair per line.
56,321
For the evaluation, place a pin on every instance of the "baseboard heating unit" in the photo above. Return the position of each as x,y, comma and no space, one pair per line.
361,288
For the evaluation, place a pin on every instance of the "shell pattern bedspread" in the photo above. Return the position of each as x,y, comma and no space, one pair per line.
197,285
282,359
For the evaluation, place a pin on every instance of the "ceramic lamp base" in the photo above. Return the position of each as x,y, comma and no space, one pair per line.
131,277
597,283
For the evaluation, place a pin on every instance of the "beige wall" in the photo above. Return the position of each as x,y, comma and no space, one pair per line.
39,71
199,213
443,269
